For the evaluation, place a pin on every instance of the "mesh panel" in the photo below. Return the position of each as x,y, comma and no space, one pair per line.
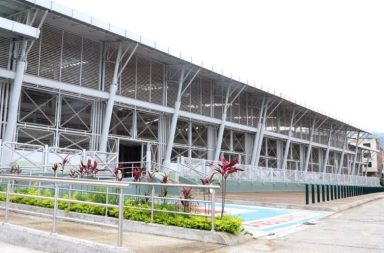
218,101
186,99
50,53
182,131
243,109
91,64
238,142
196,96
128,79
171,93
226,144
33,136
121,122
143,80
71,59
37,107
33,59
198,153
235,109
147,125
199,135
74,141
177,151
109,68
4,52
157,79
76,113
206,97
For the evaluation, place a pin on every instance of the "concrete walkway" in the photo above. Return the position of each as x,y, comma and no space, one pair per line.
10,248
359,230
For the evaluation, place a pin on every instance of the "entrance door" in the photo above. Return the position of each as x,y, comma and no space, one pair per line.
129,155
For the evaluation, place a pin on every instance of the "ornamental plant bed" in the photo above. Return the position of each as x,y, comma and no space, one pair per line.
134,210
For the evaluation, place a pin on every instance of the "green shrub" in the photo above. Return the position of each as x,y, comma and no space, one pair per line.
134,210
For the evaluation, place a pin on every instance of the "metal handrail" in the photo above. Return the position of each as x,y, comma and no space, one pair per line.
119,185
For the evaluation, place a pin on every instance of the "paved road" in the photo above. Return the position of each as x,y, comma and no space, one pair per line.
8,248
359,230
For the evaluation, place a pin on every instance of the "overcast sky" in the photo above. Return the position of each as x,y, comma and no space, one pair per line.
325,54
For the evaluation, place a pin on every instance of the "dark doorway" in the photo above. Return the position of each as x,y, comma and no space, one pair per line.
129,155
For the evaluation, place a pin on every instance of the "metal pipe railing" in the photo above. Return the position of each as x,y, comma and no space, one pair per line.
11,179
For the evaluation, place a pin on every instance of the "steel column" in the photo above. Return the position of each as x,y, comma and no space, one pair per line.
222,126
112,94
175,115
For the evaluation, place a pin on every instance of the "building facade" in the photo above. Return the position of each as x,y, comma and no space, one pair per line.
69,80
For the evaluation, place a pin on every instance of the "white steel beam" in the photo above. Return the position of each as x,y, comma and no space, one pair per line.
325,163
14,99
309,150
260,133
112,95
66,87
172,131
110,103
288,144
222,126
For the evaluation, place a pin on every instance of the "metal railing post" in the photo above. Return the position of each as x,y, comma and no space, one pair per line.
69,195
306,194
313,194
121,213
152,202
106,201
7,201
55,207
212,192
318,193
323,193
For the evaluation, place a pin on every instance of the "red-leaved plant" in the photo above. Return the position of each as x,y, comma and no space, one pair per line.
164,188
207,181
137,173
225,168
90,169
185,195
62,164
118,173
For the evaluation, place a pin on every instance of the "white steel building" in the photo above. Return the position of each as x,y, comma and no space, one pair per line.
69,80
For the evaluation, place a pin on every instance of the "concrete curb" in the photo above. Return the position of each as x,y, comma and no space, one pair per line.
358,202
147,228
339,208
279,205
53,243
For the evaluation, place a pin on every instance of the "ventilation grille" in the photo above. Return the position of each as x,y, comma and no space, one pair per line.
4,52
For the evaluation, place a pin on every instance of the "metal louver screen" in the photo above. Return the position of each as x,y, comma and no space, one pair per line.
71,59
157,80
65,57
218,100
90,68
206,97
128,79
143,79
33,59
4,52
186,99
50,53
195,106
243,109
